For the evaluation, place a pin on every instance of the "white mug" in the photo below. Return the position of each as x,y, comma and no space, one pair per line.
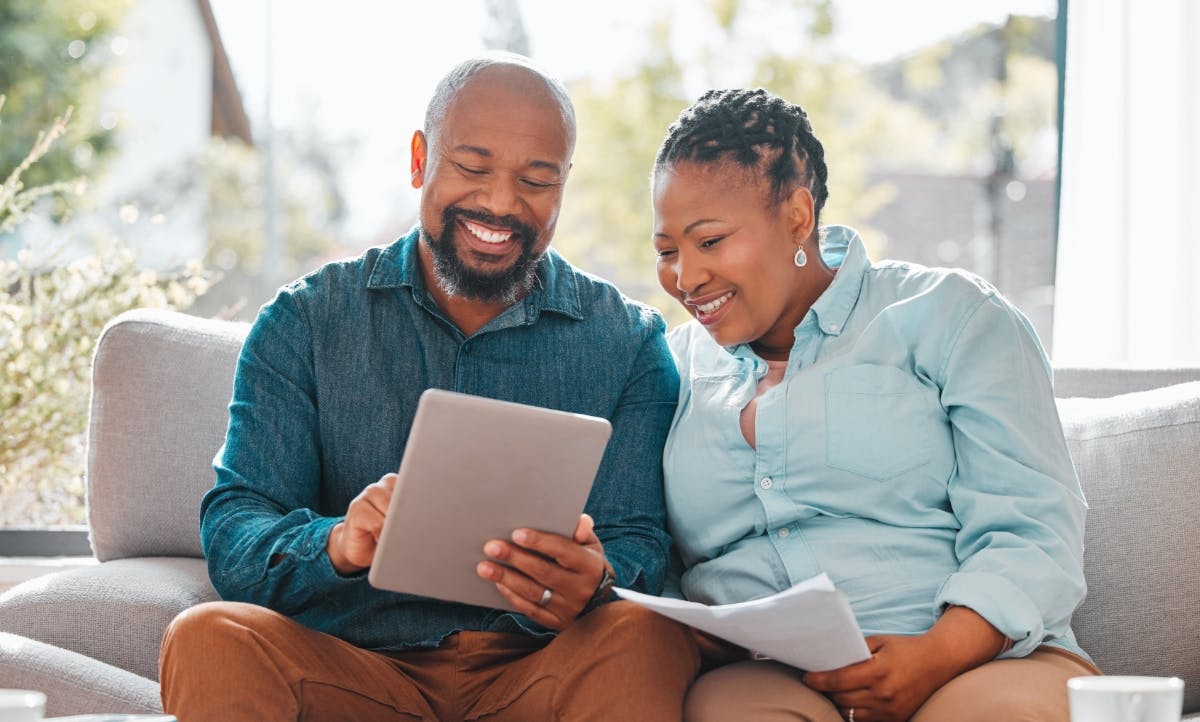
1125,699
21,705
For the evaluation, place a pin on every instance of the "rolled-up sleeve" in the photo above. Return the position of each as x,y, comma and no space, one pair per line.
263,542
627,498
1015,492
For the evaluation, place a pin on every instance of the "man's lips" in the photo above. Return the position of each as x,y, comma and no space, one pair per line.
487,239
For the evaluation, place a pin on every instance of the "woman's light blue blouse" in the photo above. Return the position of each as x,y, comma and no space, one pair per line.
913,452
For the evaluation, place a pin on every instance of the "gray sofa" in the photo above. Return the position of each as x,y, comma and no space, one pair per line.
89,636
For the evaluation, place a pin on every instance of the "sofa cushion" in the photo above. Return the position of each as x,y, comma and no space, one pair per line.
74,684
161,384
116,611
1138,459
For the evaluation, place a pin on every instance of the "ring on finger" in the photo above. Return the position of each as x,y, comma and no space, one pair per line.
546,594
850,718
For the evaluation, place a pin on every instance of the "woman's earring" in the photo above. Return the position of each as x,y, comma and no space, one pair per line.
801,258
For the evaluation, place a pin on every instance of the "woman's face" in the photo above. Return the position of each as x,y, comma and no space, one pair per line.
727,255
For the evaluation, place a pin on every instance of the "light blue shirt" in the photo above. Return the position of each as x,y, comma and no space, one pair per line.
913,452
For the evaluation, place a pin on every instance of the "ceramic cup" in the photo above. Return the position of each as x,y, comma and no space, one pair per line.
21,705
1125,699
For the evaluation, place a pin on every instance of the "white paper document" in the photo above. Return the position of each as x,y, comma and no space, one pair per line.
809,626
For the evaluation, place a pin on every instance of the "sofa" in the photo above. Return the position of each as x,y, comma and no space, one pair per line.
89,636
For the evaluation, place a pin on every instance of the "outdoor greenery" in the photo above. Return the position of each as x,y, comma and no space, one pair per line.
51,312
929,112
55,55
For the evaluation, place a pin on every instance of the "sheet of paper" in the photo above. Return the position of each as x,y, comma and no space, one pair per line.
809,626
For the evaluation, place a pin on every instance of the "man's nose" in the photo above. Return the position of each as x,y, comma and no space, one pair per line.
499,196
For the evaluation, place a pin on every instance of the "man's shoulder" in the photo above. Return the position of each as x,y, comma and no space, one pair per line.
600,300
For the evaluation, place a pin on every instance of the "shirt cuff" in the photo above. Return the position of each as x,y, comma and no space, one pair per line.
310,552
1001,603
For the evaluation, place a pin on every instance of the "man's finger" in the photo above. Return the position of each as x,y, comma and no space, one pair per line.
565,551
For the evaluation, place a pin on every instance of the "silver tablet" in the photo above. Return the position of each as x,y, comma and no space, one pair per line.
475,469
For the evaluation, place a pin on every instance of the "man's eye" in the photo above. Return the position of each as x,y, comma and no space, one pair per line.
535,183
472,171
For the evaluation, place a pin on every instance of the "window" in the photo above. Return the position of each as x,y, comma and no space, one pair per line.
256,140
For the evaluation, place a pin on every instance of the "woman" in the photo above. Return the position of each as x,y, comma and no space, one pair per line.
888,424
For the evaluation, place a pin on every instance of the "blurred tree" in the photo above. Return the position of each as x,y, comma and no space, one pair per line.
55,55
605,223
504,28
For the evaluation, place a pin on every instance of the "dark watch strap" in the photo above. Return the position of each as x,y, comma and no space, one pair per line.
603,593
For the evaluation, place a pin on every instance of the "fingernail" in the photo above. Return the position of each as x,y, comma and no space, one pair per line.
521,536
485,570
493,549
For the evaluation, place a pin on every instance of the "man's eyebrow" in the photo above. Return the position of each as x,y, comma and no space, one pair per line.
485,153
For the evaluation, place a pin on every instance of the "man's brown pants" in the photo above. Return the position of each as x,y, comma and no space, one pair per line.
229,661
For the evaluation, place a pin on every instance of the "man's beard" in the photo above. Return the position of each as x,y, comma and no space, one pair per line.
458,279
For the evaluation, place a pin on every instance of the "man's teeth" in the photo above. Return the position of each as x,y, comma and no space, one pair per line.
487,235
713,305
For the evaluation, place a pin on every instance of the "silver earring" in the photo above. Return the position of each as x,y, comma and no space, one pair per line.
801,258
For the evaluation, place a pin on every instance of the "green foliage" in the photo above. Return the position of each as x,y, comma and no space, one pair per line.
54,55
930,112
51,311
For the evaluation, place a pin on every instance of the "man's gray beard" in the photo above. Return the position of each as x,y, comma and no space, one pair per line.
455,278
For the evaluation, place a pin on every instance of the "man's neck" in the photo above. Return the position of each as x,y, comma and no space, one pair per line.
469,315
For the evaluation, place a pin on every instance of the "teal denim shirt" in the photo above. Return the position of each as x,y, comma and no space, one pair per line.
323,400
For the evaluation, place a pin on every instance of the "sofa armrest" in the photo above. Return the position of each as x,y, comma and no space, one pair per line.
115,611
161,384
73,683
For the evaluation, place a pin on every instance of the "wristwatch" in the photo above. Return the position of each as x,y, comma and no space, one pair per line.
603,593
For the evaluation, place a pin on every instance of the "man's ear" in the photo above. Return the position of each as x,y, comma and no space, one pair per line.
420,155
800,213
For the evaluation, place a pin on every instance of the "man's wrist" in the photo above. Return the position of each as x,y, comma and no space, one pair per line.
604,591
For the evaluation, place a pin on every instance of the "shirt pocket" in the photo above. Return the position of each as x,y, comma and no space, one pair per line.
875,426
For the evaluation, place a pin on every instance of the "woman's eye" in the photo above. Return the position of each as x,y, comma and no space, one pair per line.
664,252
711,242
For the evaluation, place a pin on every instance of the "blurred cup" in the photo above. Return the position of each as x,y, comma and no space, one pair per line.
1125,699
21,705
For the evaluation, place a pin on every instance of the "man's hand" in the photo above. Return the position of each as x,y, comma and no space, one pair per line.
903,672
535,562
352,541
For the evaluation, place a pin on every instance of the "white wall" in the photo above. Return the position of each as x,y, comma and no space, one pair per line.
163,98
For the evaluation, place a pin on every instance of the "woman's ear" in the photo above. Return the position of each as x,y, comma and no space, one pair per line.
420,155
800,213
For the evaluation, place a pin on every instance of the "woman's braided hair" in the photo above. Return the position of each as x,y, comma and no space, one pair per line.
757,130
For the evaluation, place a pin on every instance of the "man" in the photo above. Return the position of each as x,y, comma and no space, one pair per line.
326,388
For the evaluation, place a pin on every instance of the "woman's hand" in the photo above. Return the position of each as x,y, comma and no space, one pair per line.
904,671
547,577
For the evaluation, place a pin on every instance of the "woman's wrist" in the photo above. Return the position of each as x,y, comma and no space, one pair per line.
965,640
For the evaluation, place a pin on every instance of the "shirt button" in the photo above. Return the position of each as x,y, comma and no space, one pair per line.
766,482
784,532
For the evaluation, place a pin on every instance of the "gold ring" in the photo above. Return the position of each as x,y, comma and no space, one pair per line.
546,600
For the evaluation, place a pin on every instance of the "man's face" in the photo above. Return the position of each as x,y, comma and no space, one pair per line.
492,183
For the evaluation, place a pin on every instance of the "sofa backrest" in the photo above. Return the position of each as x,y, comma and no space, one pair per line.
161,385
1138,460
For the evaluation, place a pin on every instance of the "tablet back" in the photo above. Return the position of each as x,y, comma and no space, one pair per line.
475,469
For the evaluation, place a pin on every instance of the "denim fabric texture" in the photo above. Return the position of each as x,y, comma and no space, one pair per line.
324,396
913,452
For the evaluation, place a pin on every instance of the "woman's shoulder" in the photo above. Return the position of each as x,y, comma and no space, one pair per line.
693,348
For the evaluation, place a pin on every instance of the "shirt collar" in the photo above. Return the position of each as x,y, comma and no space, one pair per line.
556,288
841,248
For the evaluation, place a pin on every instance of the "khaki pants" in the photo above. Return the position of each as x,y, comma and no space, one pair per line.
228,661
1031,689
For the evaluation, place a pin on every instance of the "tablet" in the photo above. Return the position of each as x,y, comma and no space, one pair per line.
475,469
